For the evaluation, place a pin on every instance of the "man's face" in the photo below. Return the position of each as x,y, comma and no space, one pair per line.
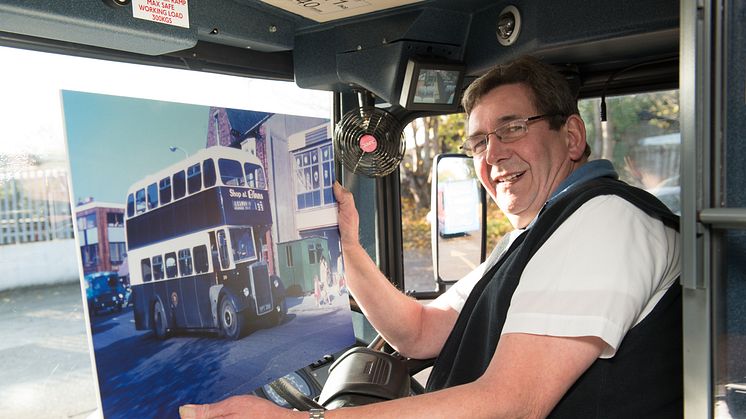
520,176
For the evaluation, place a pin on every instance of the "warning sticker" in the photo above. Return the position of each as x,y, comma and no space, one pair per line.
170,12
327,10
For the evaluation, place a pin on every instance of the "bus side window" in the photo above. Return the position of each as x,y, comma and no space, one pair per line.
152,196
201,264
231,173
145,268
223,249
171,270
194,178
208,170
157,267
165,190
140,201
185,262
179,184
130,205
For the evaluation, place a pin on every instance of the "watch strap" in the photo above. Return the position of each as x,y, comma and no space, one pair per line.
316,414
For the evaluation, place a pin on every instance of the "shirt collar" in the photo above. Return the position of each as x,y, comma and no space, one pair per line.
588,171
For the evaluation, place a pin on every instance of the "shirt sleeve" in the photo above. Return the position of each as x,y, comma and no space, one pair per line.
598,275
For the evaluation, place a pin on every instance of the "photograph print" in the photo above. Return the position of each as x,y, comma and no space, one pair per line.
209,248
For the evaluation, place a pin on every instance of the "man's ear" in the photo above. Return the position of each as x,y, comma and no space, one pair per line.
575,129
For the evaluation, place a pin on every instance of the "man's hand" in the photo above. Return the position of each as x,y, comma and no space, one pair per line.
349,220
236,407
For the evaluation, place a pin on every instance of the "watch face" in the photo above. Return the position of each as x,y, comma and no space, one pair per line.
296,380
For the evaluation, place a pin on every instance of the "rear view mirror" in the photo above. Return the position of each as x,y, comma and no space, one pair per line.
459,212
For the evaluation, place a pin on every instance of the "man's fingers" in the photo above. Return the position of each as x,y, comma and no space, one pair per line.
342,195
194,411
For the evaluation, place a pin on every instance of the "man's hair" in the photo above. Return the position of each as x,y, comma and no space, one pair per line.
550,92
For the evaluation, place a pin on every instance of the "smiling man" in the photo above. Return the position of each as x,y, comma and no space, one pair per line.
575,314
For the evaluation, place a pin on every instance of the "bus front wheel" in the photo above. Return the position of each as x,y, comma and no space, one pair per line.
160,323
231,321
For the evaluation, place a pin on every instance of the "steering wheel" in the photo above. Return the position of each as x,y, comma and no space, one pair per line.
295,398
414,366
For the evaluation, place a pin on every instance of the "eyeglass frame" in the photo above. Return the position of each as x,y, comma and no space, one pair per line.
486,136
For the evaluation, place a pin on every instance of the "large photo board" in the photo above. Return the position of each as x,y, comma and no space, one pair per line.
209,248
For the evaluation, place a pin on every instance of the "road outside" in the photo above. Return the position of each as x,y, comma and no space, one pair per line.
458,256
141,376
47,369
44,356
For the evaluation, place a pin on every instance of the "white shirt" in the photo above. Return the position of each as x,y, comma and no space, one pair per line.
599,274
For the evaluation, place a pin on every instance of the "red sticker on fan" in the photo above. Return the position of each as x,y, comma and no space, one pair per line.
368,143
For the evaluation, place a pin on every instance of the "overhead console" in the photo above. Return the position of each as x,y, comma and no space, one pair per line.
402,51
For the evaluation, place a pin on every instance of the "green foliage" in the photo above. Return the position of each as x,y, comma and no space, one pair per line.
452,132
427,137
446,133
497,224
415,227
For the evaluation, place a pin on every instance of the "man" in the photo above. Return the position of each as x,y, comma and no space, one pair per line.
576,314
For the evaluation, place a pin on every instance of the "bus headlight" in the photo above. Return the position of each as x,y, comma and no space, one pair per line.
245,292
113,298
277,284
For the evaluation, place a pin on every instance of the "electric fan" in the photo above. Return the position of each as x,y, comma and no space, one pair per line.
369,141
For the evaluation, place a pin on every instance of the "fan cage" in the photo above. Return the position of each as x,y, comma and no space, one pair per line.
380,124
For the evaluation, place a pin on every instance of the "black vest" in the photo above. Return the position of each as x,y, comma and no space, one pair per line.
645,377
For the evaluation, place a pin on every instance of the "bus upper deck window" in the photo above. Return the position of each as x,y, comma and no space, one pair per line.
140,201
179,184
208,170
194,178
130,205
165,190
171,270
157,267
152,196
231,173
146,271
252,175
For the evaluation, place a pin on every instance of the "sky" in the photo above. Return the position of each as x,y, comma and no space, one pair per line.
114,141
32,119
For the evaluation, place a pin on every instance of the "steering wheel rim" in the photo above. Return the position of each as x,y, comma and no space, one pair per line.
295,398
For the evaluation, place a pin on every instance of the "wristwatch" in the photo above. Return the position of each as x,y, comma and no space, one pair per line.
316,414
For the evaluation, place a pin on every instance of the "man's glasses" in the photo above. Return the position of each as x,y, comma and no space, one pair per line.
509,132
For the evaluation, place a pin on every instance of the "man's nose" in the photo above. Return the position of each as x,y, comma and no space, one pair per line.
496,150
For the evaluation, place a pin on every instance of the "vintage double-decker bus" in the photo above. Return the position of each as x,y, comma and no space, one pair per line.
195,231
